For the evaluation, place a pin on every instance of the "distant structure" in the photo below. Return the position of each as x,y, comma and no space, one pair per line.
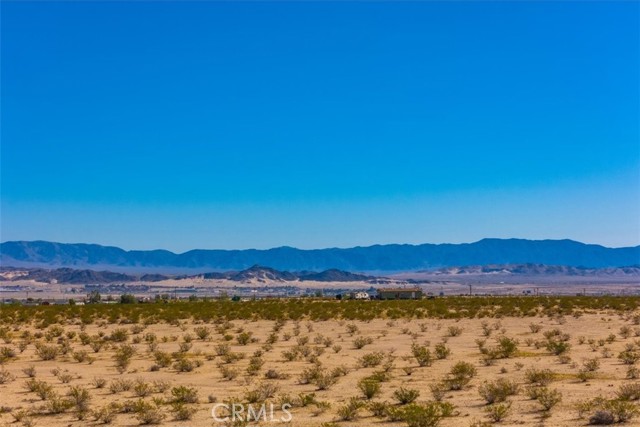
360,296
399,293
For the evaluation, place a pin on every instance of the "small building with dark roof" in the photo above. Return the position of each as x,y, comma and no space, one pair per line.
399,293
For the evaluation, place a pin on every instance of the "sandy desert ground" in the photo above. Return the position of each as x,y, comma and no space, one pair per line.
318,368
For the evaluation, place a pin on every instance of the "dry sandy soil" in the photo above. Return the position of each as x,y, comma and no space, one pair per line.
391,337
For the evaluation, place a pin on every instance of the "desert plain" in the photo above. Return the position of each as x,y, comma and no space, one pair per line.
528,361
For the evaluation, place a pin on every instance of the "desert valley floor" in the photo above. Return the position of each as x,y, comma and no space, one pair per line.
338,372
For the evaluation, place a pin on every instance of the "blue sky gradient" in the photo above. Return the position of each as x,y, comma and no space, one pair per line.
317,124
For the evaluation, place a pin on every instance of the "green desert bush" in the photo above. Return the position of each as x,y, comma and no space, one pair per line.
498,412
369,387
498,390
460,375
421,415
422,354
405,396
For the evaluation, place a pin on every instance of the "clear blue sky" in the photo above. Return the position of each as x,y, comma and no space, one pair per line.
317,124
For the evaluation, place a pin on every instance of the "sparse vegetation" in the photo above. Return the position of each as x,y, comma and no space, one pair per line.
307,351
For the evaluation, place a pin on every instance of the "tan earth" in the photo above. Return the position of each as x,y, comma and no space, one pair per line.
333,342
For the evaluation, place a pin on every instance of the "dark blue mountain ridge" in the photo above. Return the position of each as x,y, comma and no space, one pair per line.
391,257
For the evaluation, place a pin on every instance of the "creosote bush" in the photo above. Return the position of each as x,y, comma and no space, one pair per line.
460,375
498,390
405,396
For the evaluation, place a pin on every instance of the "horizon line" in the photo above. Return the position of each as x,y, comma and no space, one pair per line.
319,249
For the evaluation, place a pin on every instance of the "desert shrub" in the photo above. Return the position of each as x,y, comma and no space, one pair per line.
56,404
184,394
162,359
123,355
540,377
584,375
605,412
65,377
232,357
99,382
422,355
290,355
339,371
558,347
405,396
421,415
360,342
309,375
349,411
622,410
106,414
629,391
244,338
81,356
6,377
303,400
42,389
324,380
564,359
441,351
625,331
184,347
438,390
80,398
54,331
352,329
498,412
261,393
272,374
185,365
506,347
46,352
460,375
548,398
369,387
370,360
84,338
29,371
454,331
119,335
142,388
629,357
147,413
120,385
378,409
255,364
228,373
6,354
182,412
602,417
591,365
97,345
497,391
535,328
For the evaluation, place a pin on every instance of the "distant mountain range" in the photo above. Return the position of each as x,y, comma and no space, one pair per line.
538,270
253,274
377,258
258,274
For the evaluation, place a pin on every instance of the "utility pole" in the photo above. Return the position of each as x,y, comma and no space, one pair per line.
470,293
